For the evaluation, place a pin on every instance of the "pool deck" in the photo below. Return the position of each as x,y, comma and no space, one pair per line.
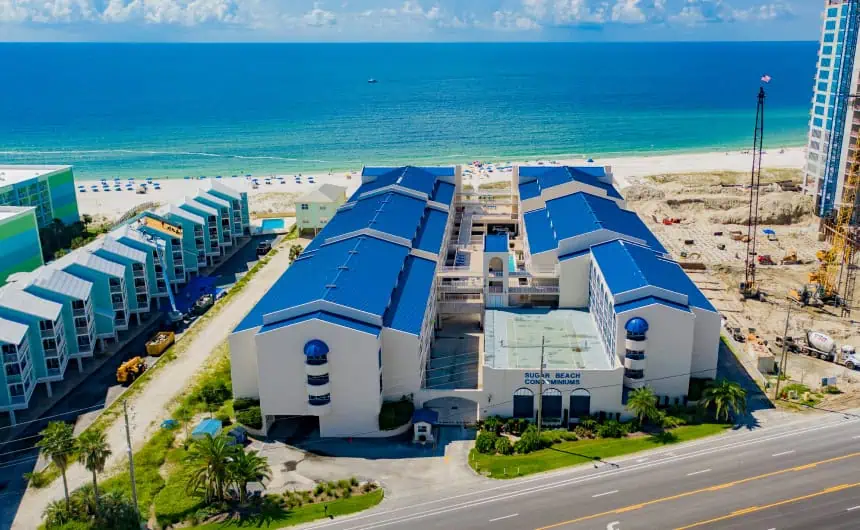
286,224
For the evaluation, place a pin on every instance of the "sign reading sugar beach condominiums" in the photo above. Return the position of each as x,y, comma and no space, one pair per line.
552,378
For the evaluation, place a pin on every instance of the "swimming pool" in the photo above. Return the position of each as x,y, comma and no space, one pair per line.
272,224
512,264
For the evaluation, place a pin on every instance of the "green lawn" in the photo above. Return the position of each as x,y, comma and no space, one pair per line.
305,514
579,452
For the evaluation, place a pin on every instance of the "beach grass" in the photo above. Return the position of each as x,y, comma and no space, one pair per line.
584,451
728,178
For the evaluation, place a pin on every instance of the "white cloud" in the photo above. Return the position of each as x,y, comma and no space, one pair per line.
510,21
639,11
319,17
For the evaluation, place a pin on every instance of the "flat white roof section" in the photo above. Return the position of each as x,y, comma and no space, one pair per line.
14,174
8,212
512,340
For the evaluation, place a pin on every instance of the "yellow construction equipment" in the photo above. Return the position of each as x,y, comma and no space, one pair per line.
160,342
835,273
130,370
790,258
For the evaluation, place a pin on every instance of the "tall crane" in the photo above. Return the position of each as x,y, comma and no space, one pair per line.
749,287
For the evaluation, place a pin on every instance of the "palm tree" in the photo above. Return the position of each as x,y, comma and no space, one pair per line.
93,452
643,403
208,460
295,252
727,397
58,443
245,468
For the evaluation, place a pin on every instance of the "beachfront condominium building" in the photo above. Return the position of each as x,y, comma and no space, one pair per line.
20,247
18,377
374,309
49,189
316,208
49,352
835,116
75,295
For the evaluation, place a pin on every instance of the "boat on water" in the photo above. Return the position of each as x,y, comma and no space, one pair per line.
372,81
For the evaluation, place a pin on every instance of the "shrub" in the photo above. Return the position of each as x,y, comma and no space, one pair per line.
610,429
251,417
529,442
319,489
244,403
224,418
504,446
37,479
581,432
589,424
395,413
214,392
485,443
832,389
493,424
667,421
368,487
344,484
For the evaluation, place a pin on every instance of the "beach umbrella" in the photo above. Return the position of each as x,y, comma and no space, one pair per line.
768,231
590,160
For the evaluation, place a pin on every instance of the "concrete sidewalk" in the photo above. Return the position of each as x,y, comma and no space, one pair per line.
149,407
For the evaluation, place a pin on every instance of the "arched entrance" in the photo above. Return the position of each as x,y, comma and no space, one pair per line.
454,410
524,403
580,404
552,408
496,264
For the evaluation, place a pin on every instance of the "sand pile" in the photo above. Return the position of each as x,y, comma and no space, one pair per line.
273,202
774,209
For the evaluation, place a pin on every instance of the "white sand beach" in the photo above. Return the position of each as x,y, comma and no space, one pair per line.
276,194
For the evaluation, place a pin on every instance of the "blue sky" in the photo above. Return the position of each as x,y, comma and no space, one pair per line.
408,20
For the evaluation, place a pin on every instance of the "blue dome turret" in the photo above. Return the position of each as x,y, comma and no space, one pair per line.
636,326
316,348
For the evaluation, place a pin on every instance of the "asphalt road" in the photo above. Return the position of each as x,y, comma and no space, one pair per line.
800,475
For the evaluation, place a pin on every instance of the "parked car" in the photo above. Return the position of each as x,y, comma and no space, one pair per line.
238,434
263,248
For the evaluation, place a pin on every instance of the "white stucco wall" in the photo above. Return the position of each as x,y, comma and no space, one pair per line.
243,363
353,371
604,386
706,344
573,282
400,364
669,352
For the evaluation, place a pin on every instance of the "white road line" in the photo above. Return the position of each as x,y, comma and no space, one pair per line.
698,472
640,460
856,437
851,509
505,517
604,493
744,442
783,453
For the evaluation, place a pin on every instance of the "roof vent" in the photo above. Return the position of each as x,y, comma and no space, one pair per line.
353,251
343,268
331,286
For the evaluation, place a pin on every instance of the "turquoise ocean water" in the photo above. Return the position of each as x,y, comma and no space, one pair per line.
185,109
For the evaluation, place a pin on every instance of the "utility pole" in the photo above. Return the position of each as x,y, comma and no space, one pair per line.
130,457
540,386
782,369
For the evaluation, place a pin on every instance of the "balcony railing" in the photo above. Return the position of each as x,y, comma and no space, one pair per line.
54,372
319,400
118,305
79,312
46,333
82,330
550,289
11,357
14,378
19,400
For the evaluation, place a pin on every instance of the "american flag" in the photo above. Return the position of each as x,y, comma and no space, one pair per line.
765,78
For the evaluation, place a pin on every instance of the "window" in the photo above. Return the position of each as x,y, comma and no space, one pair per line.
827,50
324,399
304,206
77,304
322,207
824,74
825,62
634,374
830,24
817,122
80,322
634,355
822,87
46,325
819,110
828,37
323,220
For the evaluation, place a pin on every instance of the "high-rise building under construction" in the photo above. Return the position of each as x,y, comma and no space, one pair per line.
835,116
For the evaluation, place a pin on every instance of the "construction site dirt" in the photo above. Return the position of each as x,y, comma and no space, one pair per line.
701,218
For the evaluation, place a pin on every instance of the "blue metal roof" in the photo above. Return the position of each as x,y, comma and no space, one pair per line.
415,178
425,416
432,231
627,266
359,272
391,213
444,192
648,300
549,176
529,190
324,316
496,242
409,302
581,213
539,231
